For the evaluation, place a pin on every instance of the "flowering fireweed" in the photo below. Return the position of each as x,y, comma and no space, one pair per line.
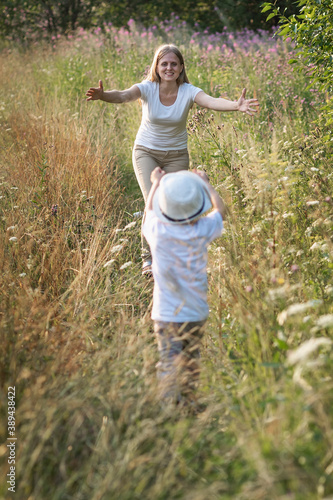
77,339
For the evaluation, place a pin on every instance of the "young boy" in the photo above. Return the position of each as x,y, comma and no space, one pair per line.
178,238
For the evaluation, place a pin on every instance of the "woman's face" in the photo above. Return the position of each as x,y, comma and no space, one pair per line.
169,67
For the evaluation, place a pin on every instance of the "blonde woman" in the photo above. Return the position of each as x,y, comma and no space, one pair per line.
166,97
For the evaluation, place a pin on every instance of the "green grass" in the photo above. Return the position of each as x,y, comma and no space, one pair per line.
76,335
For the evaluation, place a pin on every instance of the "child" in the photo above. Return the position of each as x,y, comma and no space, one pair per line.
178,238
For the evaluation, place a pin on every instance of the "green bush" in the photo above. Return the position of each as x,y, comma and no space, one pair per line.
312,32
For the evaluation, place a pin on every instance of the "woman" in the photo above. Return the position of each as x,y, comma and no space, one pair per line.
166,97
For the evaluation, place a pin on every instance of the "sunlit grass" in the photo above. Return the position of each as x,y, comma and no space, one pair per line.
77,337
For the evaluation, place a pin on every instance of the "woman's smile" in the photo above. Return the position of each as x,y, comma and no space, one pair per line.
169,67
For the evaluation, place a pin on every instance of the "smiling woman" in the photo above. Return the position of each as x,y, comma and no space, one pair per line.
166,97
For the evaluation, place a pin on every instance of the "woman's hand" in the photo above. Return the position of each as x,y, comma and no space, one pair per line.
95,93
246,105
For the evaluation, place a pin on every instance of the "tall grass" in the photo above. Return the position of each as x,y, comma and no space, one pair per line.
77,338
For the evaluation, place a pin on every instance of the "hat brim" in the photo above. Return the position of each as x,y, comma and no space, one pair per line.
207,204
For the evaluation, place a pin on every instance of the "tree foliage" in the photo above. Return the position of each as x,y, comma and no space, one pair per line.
21,18
238,14
312,32
212,15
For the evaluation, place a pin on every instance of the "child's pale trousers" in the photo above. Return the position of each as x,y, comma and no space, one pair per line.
178,369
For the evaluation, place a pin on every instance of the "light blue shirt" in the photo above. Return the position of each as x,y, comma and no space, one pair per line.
179,265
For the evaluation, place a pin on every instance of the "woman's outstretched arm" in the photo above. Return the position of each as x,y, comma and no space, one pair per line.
113,96
219,104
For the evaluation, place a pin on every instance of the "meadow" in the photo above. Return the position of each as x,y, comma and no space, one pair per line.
76,335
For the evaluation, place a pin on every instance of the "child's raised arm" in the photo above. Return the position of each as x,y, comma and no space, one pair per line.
217,202
155,178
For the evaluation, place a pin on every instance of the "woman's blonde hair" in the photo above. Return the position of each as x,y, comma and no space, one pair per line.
162,51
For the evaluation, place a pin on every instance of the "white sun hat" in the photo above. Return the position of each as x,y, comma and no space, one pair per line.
181,198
